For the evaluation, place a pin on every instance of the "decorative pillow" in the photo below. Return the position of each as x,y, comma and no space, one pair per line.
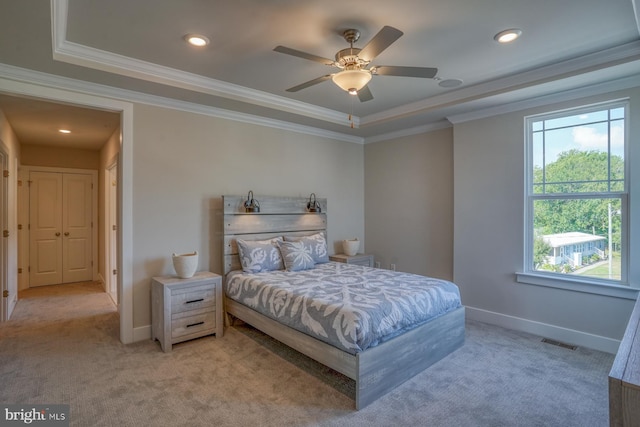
317,245
296,255
260,255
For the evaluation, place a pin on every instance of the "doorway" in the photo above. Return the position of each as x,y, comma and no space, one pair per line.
63,94
4,306
8,233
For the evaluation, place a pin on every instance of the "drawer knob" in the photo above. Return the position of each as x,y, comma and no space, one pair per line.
194,300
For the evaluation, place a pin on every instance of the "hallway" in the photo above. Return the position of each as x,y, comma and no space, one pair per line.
63,303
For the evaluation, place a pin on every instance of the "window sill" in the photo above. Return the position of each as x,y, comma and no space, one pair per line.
576,285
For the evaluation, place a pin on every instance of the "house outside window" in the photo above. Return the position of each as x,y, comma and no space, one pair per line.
576,204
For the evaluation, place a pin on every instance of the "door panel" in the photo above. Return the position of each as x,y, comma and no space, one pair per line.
45,222
112,271
76,218
4,225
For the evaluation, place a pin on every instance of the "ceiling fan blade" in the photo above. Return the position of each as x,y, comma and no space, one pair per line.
365,94
304,55
392,70
385,37
309,83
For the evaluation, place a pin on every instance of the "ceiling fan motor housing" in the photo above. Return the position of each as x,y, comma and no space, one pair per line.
348,59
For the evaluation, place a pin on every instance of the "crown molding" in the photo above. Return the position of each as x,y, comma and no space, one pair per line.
23,75
417,130
636,12
77,54
70,52
568,95
587,63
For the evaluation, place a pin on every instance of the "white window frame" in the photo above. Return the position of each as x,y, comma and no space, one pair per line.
621,288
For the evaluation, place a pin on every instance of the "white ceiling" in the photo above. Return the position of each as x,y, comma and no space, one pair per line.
138,46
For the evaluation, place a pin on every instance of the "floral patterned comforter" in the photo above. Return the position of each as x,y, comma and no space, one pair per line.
348,306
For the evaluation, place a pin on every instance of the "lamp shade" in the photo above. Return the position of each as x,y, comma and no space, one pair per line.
351,80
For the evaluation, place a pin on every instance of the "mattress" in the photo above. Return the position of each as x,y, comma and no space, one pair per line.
349,306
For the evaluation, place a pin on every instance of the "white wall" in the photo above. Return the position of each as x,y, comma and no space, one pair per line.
409,203
183,163
488,236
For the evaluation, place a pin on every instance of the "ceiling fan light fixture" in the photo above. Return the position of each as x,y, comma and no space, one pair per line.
507,36
351,80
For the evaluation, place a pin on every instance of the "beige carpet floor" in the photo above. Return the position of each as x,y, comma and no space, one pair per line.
61,346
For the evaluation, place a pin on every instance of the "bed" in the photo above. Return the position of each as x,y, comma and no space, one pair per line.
399,347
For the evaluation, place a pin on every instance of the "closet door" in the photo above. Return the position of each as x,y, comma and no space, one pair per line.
45,228
60,228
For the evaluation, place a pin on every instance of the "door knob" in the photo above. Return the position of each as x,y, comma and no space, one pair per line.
66,234
57,234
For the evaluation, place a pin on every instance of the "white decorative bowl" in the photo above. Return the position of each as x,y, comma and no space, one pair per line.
185,264
350,246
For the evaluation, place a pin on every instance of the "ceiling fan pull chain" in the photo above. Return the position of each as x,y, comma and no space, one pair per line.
351,113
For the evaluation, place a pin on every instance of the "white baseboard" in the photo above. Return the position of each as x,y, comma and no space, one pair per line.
104,282
142,333
557,333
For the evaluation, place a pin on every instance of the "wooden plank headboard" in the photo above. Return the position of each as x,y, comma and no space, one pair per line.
278,216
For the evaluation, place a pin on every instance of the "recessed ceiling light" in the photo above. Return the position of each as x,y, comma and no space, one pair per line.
507,36
64,131
196,40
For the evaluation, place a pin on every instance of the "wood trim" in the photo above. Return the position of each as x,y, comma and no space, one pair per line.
624,377
379,369
326,354
255,223
278,216
271,204
385,366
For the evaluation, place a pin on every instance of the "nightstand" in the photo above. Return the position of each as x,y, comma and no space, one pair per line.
184,309
359,259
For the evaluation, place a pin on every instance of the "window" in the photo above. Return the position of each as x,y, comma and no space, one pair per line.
577,194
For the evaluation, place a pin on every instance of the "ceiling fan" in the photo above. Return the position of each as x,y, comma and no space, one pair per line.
354,64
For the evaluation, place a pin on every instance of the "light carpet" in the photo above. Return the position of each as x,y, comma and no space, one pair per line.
62,346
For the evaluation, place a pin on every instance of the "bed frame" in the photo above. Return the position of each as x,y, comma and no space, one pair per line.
377,370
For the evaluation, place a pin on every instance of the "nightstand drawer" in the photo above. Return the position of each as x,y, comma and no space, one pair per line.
359,259
192,298
194,324
364,261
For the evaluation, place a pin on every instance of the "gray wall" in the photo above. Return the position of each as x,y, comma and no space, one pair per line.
409,203
449,204
488,238
184,162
